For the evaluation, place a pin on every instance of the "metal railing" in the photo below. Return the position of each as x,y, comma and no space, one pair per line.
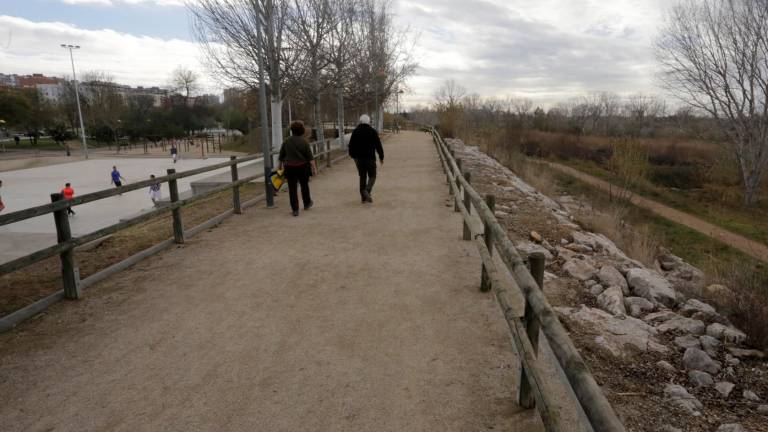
66,243
537,317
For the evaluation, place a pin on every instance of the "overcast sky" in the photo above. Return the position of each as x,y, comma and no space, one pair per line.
548,50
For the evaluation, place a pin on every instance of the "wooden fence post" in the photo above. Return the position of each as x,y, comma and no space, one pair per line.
537,263
69,274
328,154
485,280
235,188
178,227
468,206
458,186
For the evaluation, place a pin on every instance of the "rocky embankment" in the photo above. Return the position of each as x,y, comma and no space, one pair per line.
667,362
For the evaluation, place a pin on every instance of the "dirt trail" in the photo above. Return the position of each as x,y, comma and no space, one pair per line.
349,317
749,247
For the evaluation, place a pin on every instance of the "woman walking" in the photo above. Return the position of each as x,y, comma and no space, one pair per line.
298,162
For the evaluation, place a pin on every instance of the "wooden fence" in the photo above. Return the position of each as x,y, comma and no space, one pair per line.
538,316
66,243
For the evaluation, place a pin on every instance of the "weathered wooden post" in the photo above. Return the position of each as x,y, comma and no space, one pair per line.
178,228
457,182
485,280
537,263
468,206
69,277
235,188
328,154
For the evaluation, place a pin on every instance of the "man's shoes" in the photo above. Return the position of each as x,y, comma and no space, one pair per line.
368,199
309,206
295,212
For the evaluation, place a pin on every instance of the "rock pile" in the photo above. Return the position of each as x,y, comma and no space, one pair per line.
643,309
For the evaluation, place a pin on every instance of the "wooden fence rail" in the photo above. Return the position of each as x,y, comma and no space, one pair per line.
66,244
538,316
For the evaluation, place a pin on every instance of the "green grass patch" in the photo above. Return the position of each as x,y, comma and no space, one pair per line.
749,222
696,248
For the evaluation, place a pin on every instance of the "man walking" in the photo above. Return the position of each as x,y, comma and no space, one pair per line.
174,152
363,146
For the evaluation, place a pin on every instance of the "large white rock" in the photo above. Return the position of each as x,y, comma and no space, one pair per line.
726,334
578,268
692,306
598,243
724,388
651,286
687,341
679,396
731,427
637,306
710,345
612,301
660,317
702,311
700,379
618,335
529,247
683,325
609,276
741,353
696,359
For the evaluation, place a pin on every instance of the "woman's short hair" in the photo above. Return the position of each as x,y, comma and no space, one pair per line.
297,128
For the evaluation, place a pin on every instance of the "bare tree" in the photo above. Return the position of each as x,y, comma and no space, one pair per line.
714,57
227,33
104,104
341,44
448,104
311,23
184,81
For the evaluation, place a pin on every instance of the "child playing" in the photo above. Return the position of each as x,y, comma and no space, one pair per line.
68,193
154,192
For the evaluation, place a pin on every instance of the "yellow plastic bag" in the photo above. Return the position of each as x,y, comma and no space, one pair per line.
278,179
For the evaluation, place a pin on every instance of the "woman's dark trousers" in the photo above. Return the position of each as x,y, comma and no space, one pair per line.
366,169
298,175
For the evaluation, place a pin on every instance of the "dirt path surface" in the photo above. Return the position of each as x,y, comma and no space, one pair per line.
736,241
348,318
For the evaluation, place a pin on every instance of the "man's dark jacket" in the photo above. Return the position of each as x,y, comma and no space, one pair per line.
365,143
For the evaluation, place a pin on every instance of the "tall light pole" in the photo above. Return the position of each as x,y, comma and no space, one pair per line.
397,109
77,95
266,148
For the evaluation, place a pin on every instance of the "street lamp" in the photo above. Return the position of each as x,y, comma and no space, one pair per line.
77,95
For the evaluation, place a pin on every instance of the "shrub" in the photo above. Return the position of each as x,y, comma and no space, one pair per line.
680,177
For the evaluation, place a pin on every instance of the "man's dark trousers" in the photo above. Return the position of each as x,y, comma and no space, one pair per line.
366,169
298,175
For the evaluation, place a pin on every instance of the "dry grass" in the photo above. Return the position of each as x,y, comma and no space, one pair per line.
637,241
747,301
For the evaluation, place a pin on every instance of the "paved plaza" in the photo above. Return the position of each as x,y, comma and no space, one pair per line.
29,187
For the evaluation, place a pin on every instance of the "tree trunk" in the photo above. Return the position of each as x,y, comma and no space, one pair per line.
340,116
318,120
752,186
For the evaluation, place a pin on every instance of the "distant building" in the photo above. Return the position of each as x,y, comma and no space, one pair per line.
159,96
51,92
9,80
32,81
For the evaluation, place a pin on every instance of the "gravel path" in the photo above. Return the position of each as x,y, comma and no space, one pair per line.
348,318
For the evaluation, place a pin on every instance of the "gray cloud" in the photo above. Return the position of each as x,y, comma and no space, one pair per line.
550,51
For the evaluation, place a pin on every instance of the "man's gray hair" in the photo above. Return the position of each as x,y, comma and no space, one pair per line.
365,119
